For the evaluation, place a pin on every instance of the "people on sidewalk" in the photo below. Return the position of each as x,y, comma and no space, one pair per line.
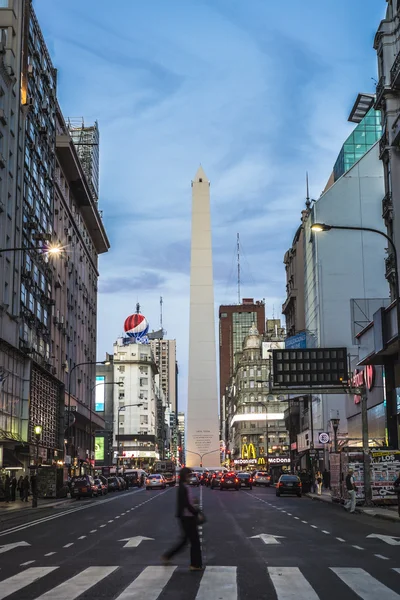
25,486
326,478
351,492
187,514
7,489
20,487
13,488
397,491
318,479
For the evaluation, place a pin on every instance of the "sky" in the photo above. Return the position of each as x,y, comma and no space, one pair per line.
257,91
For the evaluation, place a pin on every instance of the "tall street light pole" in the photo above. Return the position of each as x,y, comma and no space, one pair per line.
118,444
37,430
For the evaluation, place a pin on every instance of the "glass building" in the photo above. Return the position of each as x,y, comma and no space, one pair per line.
364,136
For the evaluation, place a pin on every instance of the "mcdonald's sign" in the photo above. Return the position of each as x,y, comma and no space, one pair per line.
248,451
261,461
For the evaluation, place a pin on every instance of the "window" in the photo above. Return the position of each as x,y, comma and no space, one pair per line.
23,294
251,372
144,419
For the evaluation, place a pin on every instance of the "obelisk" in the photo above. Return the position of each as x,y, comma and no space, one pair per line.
202,443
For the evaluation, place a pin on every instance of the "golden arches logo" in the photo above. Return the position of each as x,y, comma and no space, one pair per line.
261,461
248,451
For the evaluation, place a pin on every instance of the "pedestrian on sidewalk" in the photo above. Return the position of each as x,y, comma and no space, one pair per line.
7,489
318,479
20,487
326,478
25,487
13,488
187,514
396,486
351,492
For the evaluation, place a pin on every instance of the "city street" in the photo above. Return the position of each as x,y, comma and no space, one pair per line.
255,545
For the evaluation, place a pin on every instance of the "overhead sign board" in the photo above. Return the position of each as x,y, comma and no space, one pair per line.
99,389
297,341
299,368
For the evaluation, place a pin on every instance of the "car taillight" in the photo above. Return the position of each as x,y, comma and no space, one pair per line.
280,484
300,484
236,480
214,475
251,480
147,480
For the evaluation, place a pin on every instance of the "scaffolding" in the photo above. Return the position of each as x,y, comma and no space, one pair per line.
86,140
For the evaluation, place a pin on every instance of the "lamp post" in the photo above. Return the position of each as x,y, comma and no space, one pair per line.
335,425
91,411
89,362
202,455
119,410
37,430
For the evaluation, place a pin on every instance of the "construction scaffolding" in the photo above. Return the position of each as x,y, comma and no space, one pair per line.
86,140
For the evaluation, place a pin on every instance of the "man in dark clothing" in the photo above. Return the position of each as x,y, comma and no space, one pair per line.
25,487
7,488
187,515
397,491
326,478
13,488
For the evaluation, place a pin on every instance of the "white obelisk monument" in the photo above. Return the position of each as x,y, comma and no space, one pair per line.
202,442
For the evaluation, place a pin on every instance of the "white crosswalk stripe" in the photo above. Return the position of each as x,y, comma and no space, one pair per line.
21,580
149,584
289,582
218,583
215,583
364,585
74,587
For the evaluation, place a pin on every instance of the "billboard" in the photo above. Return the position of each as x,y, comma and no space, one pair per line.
267,347
99,402
99,448
297,341
314,367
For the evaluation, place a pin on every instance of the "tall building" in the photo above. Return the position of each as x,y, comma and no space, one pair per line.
86,140
202,412
293,307
165,356
181,437
48,305
235,321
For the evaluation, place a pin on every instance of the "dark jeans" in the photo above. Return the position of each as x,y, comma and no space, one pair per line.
189,533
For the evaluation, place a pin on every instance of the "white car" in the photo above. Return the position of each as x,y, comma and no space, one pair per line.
262,478
155,481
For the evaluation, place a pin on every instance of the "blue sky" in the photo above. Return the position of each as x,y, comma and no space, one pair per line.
257,94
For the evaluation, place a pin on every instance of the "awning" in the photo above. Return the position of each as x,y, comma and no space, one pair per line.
10,461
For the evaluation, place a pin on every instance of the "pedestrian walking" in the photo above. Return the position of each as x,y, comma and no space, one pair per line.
13,488
396,486
318,479
351,492
20,487
188,515
7,489
326,478
25,487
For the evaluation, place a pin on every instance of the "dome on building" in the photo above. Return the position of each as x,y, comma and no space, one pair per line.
253,339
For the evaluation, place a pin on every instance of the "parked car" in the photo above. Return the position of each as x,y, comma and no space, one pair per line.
193,479
122,483
262,478
113,484
229,481
155,481
245,479
83,486
102,489
289,484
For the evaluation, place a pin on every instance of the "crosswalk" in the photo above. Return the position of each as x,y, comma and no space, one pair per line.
214,583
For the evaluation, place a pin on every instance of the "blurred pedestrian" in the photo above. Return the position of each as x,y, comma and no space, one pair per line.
397,491
318,479
20,487
7,489
351,492
187,514
25,487
13,488
326,478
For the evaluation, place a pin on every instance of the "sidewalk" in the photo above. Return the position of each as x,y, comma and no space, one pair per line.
13,509
389,513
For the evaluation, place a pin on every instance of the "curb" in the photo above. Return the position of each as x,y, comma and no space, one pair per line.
388,517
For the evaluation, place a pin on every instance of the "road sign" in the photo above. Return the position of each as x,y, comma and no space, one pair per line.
8,547
268,538
392,540
134,542
323,437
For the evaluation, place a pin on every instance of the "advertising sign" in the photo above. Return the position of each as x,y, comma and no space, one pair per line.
99,448
297,341
99,402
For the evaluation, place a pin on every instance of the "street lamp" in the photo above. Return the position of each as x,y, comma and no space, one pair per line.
52,249
90,362
335,425
37,430
119,410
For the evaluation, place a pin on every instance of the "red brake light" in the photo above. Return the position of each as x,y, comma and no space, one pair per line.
236,480
251,480
300,484
280,484
213,475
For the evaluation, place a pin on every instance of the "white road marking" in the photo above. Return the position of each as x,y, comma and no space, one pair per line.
68,545
340,539
118,517
17,582
305,522
50,553
297,518
149,584
290,583
111,521
363,584
25,564
82,537
314,526
327,532
290,514
103,525
380,556
218,583
93,531
358,547
75,586
397,570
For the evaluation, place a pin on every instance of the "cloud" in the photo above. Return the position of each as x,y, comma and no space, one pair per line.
145,281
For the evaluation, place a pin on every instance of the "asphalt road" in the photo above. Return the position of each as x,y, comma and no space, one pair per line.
95,550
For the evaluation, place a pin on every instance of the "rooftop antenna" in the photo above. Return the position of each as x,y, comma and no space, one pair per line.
137,308
308,201
161,310
238,265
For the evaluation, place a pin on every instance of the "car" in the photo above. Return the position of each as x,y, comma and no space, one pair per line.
215,479
101,488
155,481
245,479
262,478
288,484
203,478
83,486
104,480
229,481
122,483
193,479
170,478
113,484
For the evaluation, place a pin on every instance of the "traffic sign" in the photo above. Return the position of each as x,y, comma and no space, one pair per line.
323,437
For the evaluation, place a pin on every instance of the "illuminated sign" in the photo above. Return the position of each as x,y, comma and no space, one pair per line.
245,461
248,451
99,448
279,460
363,378
99,402
261,461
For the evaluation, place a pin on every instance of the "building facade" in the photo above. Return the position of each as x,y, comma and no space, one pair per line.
234,324
181,438
293,308
37,302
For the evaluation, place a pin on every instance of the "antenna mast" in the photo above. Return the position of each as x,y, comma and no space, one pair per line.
161,310
238,265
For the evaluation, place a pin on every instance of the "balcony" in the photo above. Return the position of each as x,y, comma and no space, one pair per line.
395,73
390,268
383,144
380,92
387,208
